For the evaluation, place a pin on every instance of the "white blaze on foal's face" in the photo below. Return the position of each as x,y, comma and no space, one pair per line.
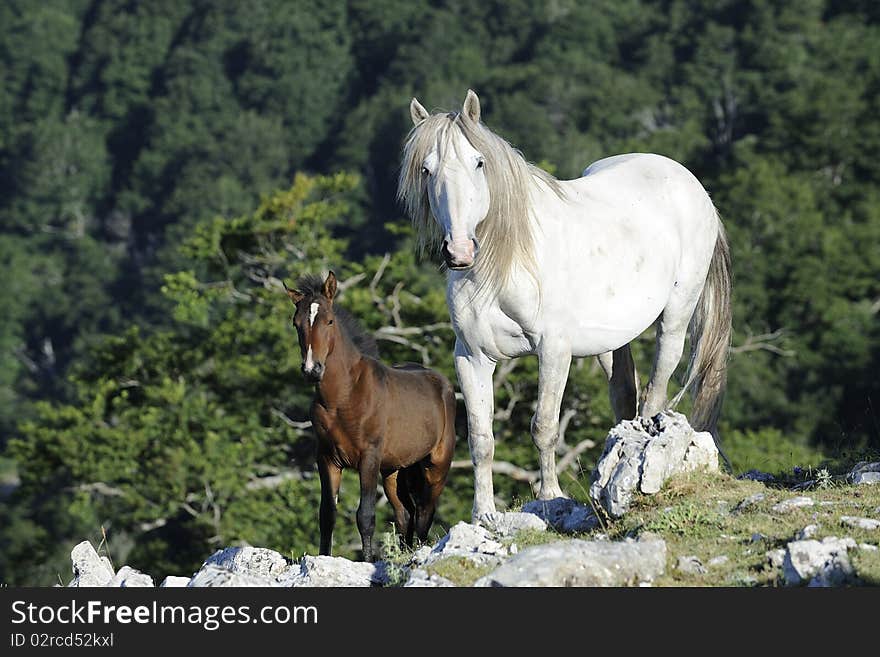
313,313
459,196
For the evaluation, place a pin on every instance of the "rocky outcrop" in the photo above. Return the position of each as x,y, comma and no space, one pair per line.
174,582
217,576
471,542
422,579
564,515
324,571
639,457
690,565
868,524
818,563
582,563
786,506
251,561
128,577
510,523
865,473
88,568
750,502
641,454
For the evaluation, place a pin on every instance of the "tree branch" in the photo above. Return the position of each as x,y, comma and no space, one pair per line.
506,468
100,488
305,424
389,337
571,456
764,342
273,481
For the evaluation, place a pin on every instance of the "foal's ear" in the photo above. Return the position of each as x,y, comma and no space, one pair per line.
417,111
329,288
295,295
471,107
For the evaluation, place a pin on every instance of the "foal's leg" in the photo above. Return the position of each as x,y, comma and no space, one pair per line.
475,380
554,360
330,475
433,481
402,517
623,387
366,513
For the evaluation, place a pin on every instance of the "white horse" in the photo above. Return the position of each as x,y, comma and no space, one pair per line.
567,269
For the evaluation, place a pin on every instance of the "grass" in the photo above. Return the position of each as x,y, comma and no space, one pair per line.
461,571
699,514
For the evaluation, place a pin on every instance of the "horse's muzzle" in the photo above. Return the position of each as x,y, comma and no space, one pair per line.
315,374
459,255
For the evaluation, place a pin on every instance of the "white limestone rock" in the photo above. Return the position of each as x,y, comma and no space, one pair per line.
582,563
865,473
255,562
211,575
469,541
750,502
510,523
785,506
419,578
775,557
326,571
690,565
868,524
173,582
807,532
88,568
563,514
818,563
127,577
421,555
641,454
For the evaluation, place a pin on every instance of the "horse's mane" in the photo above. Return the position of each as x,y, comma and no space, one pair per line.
311,286
505,235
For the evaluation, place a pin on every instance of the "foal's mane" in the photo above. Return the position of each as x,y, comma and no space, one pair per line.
505,235
312,286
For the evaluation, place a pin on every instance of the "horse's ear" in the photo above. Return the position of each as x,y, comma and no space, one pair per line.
471,107
295,295
329,288
417,111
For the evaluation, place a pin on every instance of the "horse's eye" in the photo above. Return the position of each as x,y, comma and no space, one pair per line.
480,163
329,321
425,171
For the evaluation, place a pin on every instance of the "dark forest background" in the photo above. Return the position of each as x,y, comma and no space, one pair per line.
164,164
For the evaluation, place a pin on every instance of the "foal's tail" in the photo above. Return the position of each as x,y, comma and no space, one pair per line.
710,331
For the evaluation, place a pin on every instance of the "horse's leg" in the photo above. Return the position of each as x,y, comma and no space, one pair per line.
671,333
366,513
434,475
402,516
623,387
330,475
427,506
554,360
474,373
405,493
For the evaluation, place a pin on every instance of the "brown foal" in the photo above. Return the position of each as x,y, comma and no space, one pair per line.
395,421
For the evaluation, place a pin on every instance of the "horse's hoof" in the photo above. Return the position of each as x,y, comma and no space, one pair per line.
551,494
489,519
478,517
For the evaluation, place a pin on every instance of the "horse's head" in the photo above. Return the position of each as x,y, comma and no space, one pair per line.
314,323
458,190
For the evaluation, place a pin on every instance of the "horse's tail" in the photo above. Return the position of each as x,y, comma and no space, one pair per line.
710,331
